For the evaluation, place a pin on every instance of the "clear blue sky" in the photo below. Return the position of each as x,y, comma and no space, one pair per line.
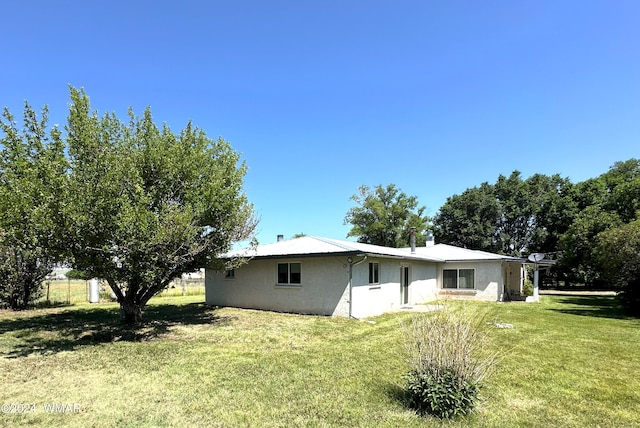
322,97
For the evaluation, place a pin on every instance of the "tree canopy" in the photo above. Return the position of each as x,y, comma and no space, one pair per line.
149,204
385,215
579,224
32,185
618,253
512,216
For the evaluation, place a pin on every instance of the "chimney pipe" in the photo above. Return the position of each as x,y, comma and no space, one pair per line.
412,240
280,238
430,240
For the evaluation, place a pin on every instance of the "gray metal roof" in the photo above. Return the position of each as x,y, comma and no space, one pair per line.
307,246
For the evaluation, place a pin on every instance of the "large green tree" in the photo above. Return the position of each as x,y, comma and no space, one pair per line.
578,262
513,216
32,183
149,204
384,216
470,219
551,199
618,253
605,202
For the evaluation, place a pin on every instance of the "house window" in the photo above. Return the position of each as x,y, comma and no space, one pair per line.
289,273
230,274
374,273
459,278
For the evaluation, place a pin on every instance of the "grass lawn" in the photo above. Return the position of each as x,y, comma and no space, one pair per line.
569,361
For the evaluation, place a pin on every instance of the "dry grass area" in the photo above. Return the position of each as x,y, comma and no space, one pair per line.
66,292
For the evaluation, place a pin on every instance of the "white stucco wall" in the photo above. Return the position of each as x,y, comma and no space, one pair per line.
488,280
424,284
323,289
375,299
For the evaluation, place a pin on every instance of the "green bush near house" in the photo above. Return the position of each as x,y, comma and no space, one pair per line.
527,288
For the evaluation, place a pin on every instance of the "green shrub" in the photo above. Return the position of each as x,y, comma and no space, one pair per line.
527,288
77,274
444,395
448,362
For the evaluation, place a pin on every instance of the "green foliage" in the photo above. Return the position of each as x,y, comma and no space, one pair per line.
448,360
154,204
470,219
527,288
385,215
77,274
579,261
512,216
618,253
443,395
32,182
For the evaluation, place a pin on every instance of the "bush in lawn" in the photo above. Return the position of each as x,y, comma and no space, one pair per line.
448,362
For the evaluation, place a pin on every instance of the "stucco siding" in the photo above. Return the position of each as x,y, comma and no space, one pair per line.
323,289
488,280
424,284
371,299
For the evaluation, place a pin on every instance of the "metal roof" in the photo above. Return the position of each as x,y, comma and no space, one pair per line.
307,246
451,253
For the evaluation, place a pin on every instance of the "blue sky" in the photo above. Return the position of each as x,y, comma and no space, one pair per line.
322,97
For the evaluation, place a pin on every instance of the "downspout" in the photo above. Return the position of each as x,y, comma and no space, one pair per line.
351,265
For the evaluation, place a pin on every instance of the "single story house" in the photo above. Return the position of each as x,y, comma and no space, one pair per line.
314,275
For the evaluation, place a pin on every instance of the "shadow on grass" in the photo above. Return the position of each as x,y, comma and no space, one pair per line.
398,394
49,333
592,306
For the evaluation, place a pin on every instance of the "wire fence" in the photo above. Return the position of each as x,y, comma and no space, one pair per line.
68,291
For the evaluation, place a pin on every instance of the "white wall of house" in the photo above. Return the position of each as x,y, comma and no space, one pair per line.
424,284
323,289
488,280
371,299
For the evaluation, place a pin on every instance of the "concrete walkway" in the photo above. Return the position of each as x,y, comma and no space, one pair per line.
419,308
577,293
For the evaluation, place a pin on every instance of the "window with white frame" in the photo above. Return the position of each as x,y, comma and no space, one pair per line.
463,279
230,274
374,273
289,273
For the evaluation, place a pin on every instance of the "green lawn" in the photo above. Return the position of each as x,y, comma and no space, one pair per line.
568,361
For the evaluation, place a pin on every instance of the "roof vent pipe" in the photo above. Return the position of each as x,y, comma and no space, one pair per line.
412,240
430,241
280,238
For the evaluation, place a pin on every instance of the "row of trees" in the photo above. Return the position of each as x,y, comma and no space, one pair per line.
517,216
128,202
591,227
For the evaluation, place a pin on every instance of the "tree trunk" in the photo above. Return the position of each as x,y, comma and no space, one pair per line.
131,313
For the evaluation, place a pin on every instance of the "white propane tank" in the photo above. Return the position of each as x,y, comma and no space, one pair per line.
94,291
